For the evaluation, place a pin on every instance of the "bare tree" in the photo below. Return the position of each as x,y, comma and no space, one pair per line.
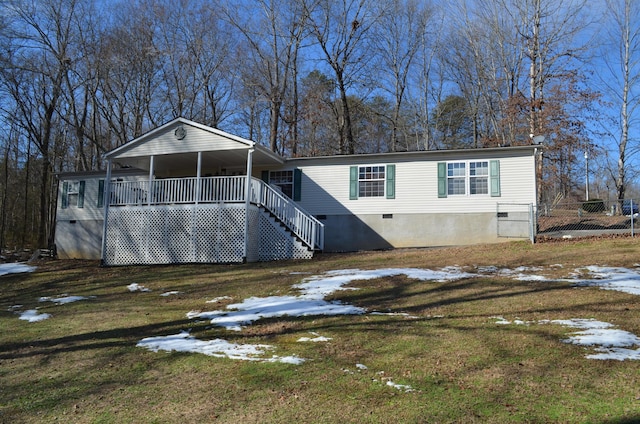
129,64
429,80
620,77
398,39
272,31
341,30
36,68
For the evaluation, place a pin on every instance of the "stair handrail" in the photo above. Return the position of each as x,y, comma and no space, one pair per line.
304,225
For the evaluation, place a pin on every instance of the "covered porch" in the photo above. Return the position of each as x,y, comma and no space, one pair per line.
200,202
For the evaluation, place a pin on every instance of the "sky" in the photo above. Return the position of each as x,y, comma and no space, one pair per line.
603,340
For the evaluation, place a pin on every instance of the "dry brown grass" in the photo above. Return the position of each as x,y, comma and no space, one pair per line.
82,364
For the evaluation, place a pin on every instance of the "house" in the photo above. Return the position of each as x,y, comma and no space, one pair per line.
180,193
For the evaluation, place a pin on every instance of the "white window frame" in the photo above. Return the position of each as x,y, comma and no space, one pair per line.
375,174
468,175
73,192
279,178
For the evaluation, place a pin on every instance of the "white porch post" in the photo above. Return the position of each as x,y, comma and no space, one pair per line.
151,172
247,202
106,195
198,175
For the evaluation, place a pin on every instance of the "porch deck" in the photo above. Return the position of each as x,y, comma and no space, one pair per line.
219,190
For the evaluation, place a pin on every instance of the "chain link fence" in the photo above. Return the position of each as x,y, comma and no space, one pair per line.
584,219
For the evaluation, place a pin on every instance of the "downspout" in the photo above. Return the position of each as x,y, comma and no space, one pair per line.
106,195
247,203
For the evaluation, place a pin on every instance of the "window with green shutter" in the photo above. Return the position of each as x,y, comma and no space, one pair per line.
469,178
353,183
372,181
391,182
73,194
297,184
81,194
495,178
65,195
442,179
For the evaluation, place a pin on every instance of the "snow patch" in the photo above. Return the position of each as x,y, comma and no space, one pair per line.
32,315
15,268
184,342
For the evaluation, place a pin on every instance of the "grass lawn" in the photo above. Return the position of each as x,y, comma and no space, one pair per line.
434,354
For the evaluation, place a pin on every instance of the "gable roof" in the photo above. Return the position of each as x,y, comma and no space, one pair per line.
181,136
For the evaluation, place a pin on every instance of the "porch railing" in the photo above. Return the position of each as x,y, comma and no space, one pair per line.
301,223
191,190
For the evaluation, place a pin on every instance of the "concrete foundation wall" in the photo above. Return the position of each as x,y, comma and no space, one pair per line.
344,233
79,239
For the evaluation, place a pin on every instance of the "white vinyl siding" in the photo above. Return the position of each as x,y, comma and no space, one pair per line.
325,187
90,209
195,140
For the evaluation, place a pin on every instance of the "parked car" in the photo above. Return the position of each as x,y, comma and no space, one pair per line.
628,205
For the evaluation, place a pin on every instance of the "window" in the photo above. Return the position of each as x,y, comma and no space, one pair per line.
284,180
479,177
73,194
371,181
469,178
456,173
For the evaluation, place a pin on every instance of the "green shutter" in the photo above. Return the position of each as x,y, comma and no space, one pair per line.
297,184
65,198
442,179
265,176
81,195
391,181
353,183
494,176
100,193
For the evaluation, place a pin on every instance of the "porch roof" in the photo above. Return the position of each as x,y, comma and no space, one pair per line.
175,145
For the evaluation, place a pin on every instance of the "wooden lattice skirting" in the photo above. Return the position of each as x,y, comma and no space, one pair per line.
211,233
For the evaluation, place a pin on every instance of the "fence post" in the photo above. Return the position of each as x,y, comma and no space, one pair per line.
532,224
631,210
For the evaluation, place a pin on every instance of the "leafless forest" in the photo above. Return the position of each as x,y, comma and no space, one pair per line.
316,77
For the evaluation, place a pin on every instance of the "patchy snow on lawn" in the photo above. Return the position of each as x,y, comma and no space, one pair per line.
15,268
612,278
317,338
32,315
255,308
311,301
184,342
610,343
63,299
170,293
134,287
